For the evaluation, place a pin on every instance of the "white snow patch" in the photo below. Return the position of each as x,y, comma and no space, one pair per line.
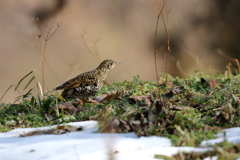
231,135
87,145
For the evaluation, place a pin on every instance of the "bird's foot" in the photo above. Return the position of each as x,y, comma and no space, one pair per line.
79,102
84,100
89,100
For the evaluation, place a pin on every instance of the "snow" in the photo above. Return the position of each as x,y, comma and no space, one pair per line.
231,135
89,145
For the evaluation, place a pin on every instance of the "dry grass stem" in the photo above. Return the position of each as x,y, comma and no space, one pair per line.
42,49
92,50
160,4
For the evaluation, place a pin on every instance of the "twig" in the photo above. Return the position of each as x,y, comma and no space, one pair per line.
168,48
95,53
155,48
160,6
43,49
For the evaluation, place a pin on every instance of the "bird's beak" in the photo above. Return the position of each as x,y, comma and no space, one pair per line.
118,63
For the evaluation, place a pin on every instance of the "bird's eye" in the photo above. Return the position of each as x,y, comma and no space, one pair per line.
111,63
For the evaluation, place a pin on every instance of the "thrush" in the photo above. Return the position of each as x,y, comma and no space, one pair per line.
87,84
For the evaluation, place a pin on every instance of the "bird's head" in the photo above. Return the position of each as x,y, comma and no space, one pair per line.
107,64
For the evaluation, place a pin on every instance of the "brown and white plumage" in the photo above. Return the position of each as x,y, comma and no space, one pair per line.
87,84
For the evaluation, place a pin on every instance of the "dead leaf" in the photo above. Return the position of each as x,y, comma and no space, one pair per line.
170,84
203,81
226,112
67,106
173,91
168,95
146,100
116,152
37,132
107,96
188,96
71,128
176,108
212,83
60,127
154,110
110,96
178,90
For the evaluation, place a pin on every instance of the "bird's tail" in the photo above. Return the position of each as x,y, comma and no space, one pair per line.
58,88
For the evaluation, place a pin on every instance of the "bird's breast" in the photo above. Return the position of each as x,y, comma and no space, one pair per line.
88,90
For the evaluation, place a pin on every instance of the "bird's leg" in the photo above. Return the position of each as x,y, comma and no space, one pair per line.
84,100
89,100
79,101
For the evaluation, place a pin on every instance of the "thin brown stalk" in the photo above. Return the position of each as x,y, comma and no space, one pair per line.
43,49
166,30
155,48
95,54
58,25
168,48
160,4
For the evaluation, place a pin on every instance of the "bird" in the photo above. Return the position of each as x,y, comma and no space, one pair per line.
86,84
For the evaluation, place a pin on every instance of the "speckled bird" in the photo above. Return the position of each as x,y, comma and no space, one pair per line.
87,84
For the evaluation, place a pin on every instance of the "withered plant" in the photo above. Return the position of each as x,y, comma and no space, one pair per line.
42,48
160,4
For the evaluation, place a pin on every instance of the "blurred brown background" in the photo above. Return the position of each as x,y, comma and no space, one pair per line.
203,35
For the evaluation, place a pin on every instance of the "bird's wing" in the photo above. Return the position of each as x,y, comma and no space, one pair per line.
79,81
